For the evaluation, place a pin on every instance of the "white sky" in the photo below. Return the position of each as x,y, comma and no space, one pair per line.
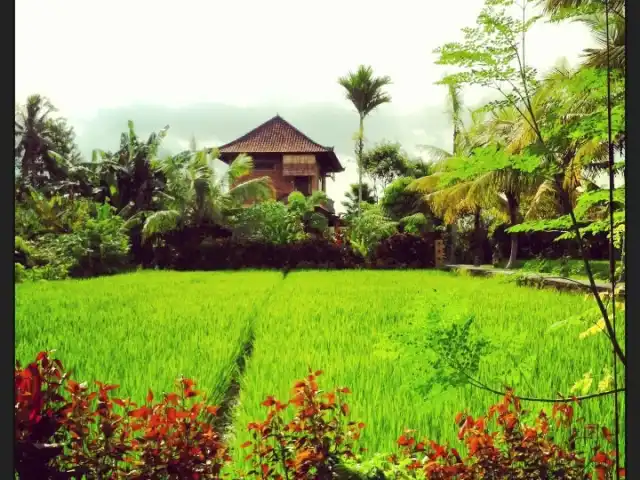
89,55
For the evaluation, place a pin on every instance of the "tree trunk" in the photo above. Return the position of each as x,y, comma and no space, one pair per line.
564,196
477,254
453,230
622,259
360,149
512,204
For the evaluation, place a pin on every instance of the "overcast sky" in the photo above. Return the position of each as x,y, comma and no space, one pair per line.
216,69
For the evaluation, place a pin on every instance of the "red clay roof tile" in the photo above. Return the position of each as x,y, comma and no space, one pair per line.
275,135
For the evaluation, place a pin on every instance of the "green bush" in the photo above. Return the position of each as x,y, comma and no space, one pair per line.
268,222
22,251
18,272
370,228
98,245
88,240
36,215
51,271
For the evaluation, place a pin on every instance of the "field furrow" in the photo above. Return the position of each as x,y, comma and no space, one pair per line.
376,332
370,331
143,330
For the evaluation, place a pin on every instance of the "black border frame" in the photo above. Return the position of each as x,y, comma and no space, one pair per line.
632,173
7,346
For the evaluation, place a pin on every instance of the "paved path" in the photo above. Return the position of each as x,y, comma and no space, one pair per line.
551,280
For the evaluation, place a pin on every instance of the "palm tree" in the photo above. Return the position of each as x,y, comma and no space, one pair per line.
33,140
505,187
195,196
592,14
451,202
579,159
597,57
351,203
366,92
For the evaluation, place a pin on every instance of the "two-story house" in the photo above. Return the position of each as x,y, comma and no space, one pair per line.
288,156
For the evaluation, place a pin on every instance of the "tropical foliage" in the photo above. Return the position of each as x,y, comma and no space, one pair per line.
351,202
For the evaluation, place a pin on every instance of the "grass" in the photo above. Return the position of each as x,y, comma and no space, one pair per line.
368,330
357,327
142,330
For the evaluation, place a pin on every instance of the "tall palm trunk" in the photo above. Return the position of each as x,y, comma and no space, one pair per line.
564,202
453,231
454,227
360,149
477,257
512,205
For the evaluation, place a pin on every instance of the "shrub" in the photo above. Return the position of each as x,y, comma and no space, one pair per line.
404,250
369,228
513,449
97,245
64,429
22,251
221,254
36,214
268,222
50,271
18,272
312,445
533,244
416,224
398,202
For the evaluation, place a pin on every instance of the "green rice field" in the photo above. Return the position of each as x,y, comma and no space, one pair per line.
367,330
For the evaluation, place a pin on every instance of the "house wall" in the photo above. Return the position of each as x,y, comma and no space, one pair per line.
283,185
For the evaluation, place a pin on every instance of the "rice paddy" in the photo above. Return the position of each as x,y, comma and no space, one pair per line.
368,330
143,330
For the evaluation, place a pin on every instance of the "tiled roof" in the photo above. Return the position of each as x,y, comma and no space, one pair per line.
275,135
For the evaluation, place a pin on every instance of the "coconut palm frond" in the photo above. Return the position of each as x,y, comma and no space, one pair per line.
425,185
559,6
435,154
450,202
485,190
241,166
589,186
597,57
160,222
254,189
544,203
591,153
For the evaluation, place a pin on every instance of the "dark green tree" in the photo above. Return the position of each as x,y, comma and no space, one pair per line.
351,204
36,134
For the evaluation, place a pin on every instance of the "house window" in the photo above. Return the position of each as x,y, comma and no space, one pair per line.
299,165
